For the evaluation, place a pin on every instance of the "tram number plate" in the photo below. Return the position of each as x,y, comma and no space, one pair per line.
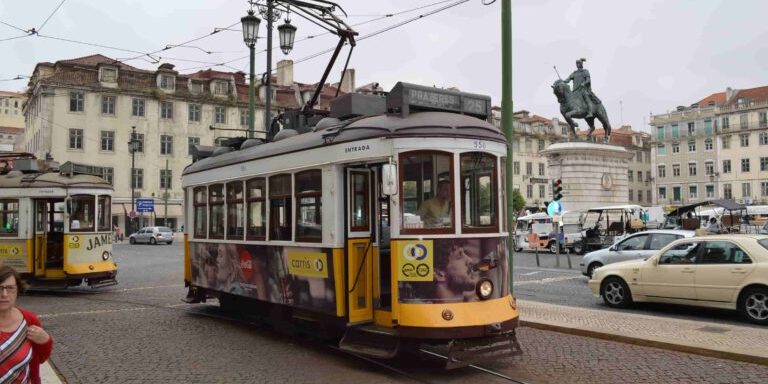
479,144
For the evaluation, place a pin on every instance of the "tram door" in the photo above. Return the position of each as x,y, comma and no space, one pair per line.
49,235
359,245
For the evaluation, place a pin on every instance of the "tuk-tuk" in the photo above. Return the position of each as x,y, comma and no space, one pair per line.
533,232
602,226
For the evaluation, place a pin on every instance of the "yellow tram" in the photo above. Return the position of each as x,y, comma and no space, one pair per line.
55,223
384,220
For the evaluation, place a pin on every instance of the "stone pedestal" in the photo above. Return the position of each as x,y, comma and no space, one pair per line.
593,174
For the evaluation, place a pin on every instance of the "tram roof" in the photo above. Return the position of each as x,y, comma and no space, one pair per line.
51,180
421,124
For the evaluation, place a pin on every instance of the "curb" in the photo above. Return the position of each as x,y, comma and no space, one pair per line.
648,343
49,374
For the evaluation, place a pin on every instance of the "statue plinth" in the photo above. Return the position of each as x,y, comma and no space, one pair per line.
593,174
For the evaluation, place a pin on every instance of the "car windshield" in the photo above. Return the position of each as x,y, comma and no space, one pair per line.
764,243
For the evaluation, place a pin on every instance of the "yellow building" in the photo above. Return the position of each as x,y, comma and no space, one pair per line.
11,119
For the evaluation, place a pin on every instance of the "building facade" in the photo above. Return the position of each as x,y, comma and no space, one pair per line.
11,119
84,110
715,148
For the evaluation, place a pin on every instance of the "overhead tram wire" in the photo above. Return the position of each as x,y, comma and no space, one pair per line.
51,15
14,27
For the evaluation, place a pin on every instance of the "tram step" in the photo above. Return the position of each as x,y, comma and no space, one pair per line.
464,352
371,341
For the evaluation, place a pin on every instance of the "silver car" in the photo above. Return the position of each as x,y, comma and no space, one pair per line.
152,235
639,245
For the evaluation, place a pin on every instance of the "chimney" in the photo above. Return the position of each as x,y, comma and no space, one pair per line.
285,72
348,84
729,93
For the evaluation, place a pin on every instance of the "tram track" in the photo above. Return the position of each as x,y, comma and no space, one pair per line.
188,309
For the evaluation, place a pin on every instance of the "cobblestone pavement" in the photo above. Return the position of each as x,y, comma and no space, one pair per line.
139,332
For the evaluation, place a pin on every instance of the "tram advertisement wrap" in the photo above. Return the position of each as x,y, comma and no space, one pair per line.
88,248
299,277
14,253
456,267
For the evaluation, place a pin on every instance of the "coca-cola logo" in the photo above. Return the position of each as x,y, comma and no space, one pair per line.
246,264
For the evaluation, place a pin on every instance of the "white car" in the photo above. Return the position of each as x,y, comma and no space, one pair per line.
640,245
720,271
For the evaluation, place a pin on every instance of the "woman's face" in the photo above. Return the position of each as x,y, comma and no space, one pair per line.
8,294
222,275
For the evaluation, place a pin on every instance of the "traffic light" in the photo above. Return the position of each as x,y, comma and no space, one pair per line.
557,190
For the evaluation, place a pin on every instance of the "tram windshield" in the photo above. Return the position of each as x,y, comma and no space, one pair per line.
427,192
81,213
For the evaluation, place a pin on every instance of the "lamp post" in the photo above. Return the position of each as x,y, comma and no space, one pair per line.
250,34
132,148
287,33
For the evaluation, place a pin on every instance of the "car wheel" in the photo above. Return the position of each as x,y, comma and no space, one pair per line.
553,247
754,305
132,240
616,293
591,269
152,241
578,248
170,242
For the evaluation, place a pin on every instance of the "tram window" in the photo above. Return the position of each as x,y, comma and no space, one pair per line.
359,192
257,209
105,215
235,210
81,213
200,201
427,192
216,211
9,217
478,192
280,208
309,212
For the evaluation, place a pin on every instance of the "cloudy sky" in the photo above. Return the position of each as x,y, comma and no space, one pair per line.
644,56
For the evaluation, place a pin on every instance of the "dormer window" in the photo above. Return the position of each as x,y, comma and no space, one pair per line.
167,82
108,74
195,87
220,87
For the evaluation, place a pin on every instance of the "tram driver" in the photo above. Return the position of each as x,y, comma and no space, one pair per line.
436,212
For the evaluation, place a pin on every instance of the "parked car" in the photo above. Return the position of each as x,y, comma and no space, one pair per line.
719,271
640,245
152,235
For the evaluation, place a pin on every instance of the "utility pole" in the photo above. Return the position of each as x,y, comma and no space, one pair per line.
132,148
506,122
165,195
268,75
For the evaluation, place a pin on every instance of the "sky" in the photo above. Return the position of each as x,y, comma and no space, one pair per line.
644,56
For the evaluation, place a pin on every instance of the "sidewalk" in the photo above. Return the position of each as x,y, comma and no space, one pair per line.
734,342
48,375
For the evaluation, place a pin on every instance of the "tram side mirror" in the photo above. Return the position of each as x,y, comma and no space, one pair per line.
389,179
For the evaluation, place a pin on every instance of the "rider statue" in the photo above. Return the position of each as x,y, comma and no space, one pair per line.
583,85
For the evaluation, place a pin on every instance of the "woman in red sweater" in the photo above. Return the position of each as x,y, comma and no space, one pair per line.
24,345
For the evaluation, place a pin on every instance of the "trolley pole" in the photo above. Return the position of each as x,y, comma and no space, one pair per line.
506,122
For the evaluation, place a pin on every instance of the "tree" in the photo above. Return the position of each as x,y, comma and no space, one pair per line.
518,202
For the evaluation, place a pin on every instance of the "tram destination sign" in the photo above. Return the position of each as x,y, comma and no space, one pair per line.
406,98
145,205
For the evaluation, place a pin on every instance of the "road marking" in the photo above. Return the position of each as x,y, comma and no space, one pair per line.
546,280
531,273
144,288
103,311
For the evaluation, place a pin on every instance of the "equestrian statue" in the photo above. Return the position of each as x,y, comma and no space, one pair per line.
581,102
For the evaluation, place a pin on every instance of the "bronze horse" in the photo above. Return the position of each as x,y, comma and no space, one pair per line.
572,106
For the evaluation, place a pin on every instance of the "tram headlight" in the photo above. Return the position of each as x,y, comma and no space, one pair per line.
484,289
105,255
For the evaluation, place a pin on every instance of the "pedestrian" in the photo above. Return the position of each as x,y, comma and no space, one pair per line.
24,344
118,234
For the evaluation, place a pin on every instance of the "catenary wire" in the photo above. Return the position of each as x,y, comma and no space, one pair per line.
51,15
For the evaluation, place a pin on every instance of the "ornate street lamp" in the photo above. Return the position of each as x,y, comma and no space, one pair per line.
250,35
287,35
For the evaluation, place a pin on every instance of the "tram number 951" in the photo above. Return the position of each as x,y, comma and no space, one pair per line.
478,144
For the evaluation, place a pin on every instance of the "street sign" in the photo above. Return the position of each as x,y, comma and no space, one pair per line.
554,208
145,205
